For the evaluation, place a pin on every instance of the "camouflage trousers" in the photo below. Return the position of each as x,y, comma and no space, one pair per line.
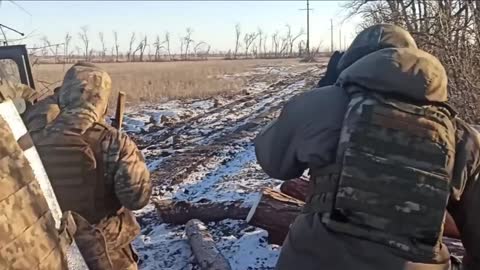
119,232
107,245
124,258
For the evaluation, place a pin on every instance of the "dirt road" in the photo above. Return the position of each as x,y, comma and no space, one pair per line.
202,149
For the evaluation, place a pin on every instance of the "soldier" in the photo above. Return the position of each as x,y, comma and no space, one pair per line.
386,155
95,170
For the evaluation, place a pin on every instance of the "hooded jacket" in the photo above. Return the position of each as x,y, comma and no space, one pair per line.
383,58
120,181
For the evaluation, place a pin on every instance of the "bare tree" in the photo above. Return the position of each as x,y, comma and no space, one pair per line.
130,47
301,48
207,53
182,42
265,45
238,32
197,47
112,53
167,44
53,48
275,43
188,40
83,34
78,50
249,39
142,47
104,48
285,40
292,40
158,45
117,45
449,29
260,40
66,46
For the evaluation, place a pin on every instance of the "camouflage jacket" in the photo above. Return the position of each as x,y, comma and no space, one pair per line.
124,163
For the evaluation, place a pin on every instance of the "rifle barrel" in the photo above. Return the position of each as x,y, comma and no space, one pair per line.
120,110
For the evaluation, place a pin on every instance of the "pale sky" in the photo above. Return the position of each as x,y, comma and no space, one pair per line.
212,21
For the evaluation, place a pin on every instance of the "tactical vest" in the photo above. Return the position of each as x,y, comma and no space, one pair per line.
391,180
74,164
28,237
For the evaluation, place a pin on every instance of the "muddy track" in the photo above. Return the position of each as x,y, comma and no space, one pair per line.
217,132
206,122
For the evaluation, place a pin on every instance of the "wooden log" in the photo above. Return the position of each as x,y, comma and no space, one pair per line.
297,188
450,229
274,212
180,212
203,247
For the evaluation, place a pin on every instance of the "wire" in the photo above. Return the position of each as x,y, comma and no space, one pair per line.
20,7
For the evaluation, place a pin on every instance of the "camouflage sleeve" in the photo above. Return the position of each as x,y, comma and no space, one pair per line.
40,114
464,204
131,177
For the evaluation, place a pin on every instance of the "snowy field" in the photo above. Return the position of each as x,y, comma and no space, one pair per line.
201,150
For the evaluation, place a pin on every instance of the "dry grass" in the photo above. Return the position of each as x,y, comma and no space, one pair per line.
150,82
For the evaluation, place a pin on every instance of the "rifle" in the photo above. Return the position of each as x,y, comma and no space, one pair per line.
118,121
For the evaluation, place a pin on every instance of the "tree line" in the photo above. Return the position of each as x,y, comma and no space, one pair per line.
257,44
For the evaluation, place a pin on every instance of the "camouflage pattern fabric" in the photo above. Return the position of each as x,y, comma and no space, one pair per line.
388,144
92,244
83,99
119,232
21,95
41,113
28,238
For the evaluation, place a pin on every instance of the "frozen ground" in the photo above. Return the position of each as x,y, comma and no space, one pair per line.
202,149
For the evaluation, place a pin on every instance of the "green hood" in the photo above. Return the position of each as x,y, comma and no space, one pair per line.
408,72
374,38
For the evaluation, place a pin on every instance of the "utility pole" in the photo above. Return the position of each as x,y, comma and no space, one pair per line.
308,26
340,38
331,35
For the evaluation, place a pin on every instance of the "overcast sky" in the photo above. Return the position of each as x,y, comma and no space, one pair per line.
212,21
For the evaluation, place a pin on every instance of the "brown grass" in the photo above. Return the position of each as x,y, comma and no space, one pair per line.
150,82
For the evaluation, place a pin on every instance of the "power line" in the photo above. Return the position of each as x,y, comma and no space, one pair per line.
20,7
